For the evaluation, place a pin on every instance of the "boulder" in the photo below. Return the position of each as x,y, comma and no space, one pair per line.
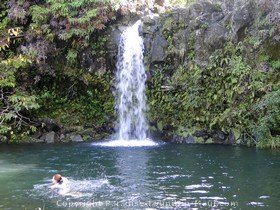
189,140
76,138
242,16
158,49
202,133
231,138
218,136
50,137
150,24
215,36
43,137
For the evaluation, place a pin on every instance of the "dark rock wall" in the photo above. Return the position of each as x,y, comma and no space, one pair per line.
204,26
207,25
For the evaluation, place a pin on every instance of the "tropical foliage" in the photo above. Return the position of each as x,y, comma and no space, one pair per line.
229,95
41,74
53,65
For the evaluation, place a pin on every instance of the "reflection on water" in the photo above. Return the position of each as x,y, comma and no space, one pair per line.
198,186
162,177
132,167
8,169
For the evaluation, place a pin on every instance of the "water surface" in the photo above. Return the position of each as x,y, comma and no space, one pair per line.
159,177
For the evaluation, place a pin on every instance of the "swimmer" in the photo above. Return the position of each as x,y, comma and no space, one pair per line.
63,185
59,181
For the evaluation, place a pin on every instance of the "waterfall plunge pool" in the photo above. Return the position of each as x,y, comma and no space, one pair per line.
165,176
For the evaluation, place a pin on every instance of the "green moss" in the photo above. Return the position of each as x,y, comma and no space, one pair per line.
199,140
209,141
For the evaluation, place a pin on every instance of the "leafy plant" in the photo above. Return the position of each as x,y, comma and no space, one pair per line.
15,105
266,129
220,95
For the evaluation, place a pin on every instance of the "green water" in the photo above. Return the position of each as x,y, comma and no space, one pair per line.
160,177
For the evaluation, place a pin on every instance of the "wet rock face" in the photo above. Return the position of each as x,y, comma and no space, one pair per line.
158,50
204,26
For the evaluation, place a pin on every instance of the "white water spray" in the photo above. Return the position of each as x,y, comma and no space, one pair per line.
130,92
131,78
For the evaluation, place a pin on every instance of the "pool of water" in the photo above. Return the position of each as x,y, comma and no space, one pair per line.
165,176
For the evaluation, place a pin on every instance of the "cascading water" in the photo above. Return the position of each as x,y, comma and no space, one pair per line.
130,92
131,78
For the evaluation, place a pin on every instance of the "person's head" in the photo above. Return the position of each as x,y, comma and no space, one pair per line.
57,178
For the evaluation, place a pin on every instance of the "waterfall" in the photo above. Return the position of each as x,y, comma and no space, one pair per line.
130,92
130,87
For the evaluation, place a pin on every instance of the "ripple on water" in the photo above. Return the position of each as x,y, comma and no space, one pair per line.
212,198
253,203
75,188
197,186
199,191
264,196
175,176
224,187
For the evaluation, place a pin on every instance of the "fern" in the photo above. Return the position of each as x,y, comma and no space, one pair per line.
267,127
275,64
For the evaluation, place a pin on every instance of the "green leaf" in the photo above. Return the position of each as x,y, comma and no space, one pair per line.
160,125
236,133
234,80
